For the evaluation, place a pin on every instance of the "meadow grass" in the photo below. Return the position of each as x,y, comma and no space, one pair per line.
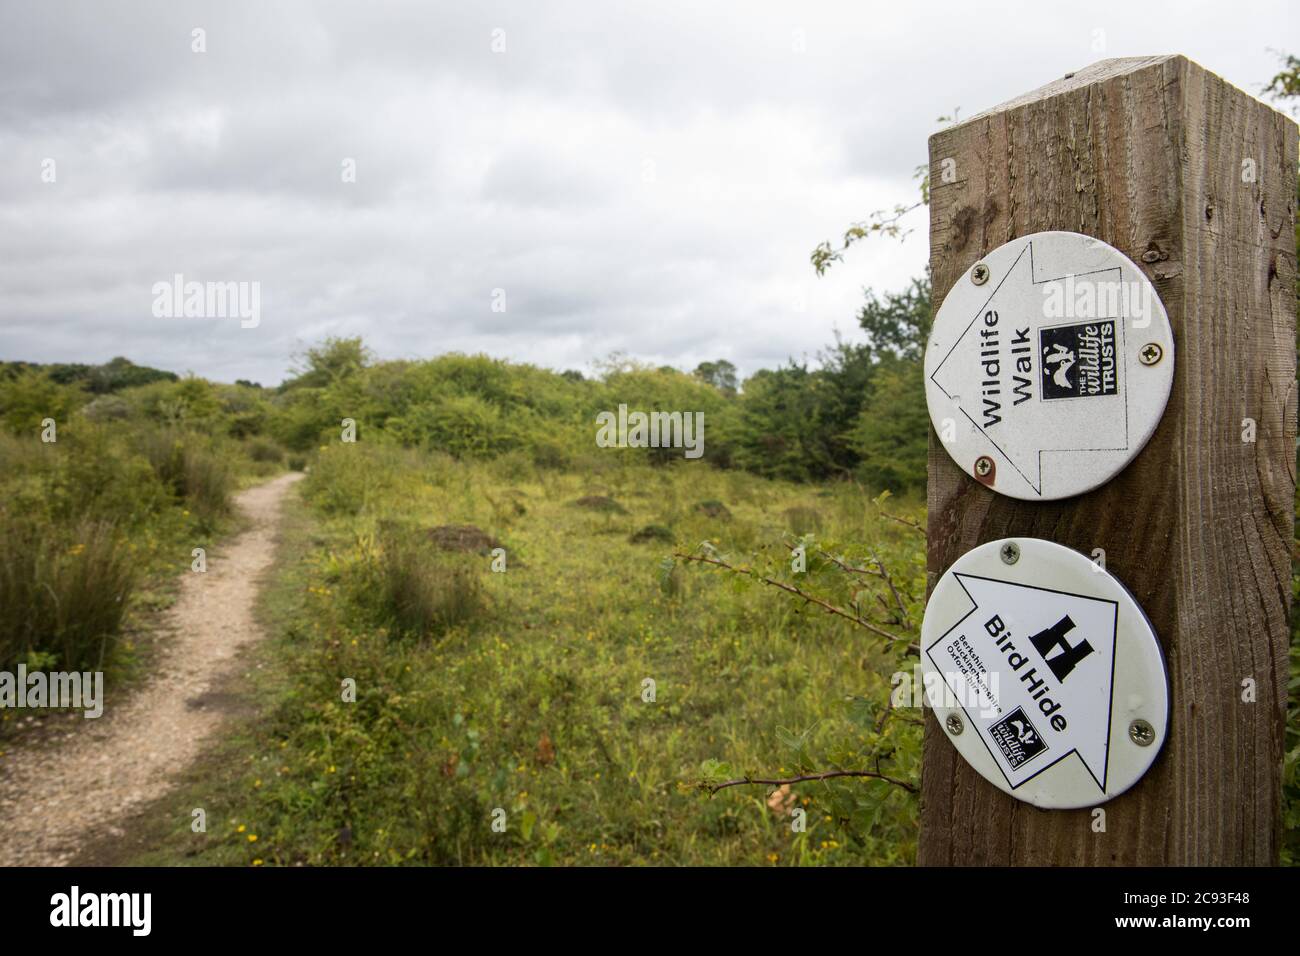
95,529
533,699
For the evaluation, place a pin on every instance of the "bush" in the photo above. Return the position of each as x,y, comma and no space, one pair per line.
345,479
31,396
263,450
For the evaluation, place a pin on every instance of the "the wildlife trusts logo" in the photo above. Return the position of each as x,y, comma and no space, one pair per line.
1078,360
1017,738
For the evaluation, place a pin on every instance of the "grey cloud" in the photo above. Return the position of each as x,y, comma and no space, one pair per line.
644,178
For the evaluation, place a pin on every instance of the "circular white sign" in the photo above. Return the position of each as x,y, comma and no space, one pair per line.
1049,366
1044,673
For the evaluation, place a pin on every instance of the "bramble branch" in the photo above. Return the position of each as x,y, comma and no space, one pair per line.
909,646
713,788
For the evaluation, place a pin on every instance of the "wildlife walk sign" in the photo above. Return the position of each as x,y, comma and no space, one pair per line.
1049,366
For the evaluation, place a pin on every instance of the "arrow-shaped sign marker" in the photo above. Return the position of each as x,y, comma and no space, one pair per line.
1033,669
1038,367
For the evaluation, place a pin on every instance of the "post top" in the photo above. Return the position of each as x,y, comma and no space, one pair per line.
1093,73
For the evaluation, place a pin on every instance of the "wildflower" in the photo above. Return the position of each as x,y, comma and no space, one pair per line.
252,838
241,828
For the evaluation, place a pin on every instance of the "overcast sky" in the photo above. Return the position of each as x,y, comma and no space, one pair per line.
647,178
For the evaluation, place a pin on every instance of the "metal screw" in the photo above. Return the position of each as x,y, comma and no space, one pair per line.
983,465
954,724
1151,354
1010,553
1141,733
980,274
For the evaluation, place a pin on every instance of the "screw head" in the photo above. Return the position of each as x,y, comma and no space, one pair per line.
1141,733
1151,354
980,274
983,466
1010,553
954,724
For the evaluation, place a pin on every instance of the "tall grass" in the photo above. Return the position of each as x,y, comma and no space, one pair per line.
193,468
85,519
62,595
411,587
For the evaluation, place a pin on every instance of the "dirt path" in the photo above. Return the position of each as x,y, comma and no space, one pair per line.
54,797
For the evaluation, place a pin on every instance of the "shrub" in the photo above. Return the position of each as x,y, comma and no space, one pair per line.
549,453
264,450
30,397
346,478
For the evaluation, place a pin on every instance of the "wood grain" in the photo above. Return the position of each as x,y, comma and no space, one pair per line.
1147,154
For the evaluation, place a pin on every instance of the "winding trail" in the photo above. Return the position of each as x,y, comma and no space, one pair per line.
56,796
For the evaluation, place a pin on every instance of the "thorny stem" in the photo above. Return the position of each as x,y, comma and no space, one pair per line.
909,646
915,526
713,788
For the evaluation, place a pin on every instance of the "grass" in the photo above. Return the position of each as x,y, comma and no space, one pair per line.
60,602
95,530
581,701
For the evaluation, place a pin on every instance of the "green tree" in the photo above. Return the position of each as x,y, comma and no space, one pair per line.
720,374
891,435
332,360
900,322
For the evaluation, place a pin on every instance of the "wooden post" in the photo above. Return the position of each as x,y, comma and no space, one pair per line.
1195,181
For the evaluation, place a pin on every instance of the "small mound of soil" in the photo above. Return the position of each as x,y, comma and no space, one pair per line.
713,509
601,503
462,537
651,532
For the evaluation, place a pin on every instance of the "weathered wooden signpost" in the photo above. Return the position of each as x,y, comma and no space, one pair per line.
1191,501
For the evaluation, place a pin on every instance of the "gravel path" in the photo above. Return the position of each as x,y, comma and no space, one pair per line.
55,796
